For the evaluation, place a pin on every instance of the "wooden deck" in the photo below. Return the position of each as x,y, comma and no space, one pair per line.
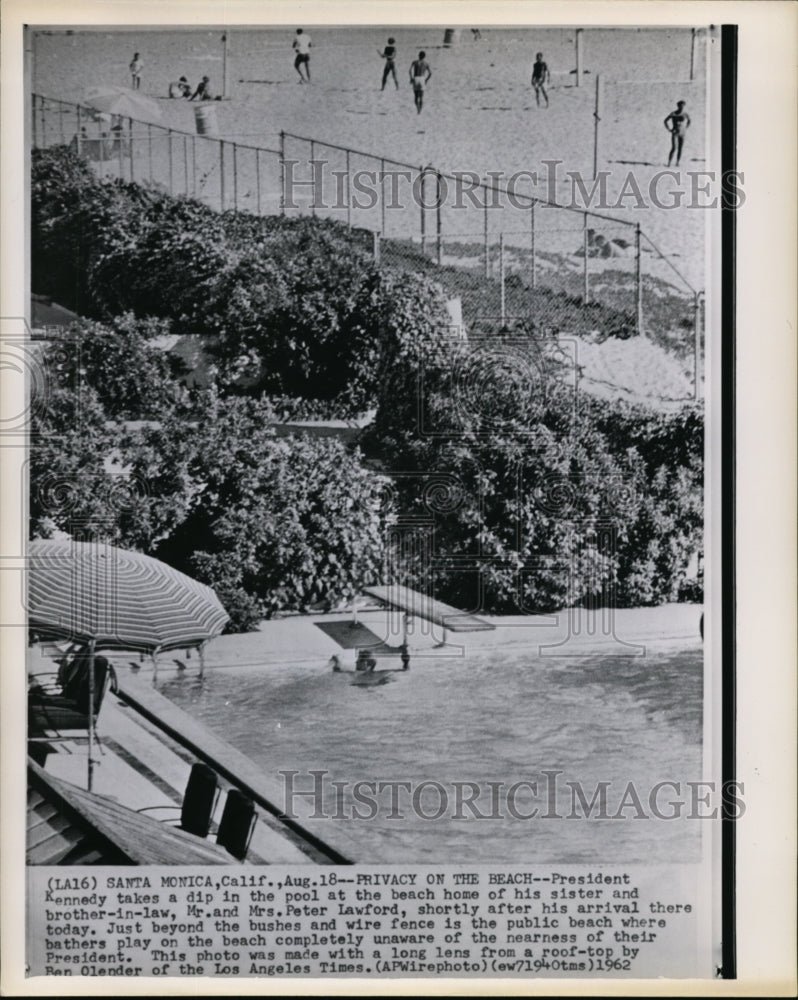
144,753
330,843
421,606
68,825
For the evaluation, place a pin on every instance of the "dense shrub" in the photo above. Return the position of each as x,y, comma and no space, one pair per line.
527,498
132,377
540,502
272,524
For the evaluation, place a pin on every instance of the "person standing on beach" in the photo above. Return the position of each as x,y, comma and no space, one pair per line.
419,77
540,77
389,55
677,123
136,66
302,48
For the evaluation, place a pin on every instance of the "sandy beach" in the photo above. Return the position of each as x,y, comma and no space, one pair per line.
479,113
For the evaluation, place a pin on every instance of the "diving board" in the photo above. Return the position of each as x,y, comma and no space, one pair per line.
412,602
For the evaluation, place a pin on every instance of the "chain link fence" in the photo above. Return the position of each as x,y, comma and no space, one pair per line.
505,252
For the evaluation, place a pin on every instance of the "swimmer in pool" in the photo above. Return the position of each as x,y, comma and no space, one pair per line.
365,662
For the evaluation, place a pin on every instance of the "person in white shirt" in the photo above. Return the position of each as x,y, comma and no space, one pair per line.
302,48
136,67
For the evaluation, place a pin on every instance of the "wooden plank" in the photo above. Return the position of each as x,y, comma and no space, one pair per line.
143,840
421,606
151,748
355,635
331,840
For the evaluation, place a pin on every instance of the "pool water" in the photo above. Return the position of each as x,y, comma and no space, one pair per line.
502,717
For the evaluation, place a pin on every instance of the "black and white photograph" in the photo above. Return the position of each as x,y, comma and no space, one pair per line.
377,469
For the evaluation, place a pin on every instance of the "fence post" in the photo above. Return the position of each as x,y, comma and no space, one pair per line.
692,54
79,130
194,164
438,200
149,148
585,247
101,143
532,244
221,176
43,122
120,151
282,173
487,245
348,195
185,162
578,57
130,146
375,246
422,178
638,282
501,276
597,119
235,176
313,171
33,118
382,194
697,342
257,177
171,180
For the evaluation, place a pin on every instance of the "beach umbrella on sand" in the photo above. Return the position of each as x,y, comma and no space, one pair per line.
122,101
110,598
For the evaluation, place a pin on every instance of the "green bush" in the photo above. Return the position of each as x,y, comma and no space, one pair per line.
272,524
133,379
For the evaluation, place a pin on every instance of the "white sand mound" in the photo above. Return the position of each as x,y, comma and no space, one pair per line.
634,369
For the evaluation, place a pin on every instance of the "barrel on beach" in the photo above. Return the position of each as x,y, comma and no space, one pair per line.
205,119
450,36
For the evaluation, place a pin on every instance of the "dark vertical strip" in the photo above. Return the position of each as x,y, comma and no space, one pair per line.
728,161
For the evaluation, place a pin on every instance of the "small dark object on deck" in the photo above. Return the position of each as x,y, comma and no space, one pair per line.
237,824
199,802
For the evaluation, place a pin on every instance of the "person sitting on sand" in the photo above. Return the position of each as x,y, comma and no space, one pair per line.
419,77
302,48
677,123
389,55
540,77
335,663
180,88
203,91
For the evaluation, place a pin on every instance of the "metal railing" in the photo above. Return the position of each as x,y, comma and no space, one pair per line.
480,226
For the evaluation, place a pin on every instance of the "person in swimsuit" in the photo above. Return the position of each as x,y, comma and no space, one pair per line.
677,123
302,48
540,77
136,67
419,77
389,55
203,91
365,662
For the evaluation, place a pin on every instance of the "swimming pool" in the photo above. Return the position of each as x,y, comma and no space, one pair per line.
482,728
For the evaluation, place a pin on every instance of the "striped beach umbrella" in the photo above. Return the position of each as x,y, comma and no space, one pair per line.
111,598
123,101
117,599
